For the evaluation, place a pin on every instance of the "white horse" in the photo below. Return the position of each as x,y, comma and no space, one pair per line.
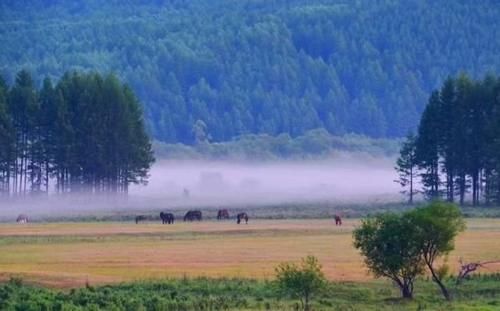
22,219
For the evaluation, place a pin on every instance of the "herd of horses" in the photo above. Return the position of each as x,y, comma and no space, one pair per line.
194,215
222,214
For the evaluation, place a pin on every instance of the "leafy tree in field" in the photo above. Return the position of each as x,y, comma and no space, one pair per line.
387,243
301,282
437,226
406,166
399,247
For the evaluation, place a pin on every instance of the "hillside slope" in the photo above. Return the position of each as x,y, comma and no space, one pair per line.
260,66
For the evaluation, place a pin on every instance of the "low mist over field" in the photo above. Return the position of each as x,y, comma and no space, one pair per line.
205,184
223,183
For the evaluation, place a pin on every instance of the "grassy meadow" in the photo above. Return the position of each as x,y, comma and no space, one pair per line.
72,254
478,293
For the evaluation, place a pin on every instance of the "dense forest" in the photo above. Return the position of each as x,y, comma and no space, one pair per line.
313,144
456,151
86,133
259,66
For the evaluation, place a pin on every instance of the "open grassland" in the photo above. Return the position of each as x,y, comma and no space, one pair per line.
73,254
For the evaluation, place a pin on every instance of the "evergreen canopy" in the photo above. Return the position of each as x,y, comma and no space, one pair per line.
457,151
260,66
86,133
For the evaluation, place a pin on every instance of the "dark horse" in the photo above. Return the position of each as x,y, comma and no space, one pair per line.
140,218
222,214
338,220
192,215
167,218
240,217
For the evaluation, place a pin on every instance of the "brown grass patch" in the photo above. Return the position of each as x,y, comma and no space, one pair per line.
70,254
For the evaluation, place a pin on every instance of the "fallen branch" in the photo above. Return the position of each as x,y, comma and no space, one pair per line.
468,268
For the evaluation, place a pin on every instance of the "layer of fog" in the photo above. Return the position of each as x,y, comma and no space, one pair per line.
220,183
183,184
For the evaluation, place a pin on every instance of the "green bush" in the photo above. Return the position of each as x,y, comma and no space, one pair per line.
301,282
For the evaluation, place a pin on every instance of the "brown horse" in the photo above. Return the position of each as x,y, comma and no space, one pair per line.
193,215
338,220
140,218
240,217
167,218
222,214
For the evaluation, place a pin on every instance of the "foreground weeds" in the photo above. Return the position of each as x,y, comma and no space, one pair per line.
478,293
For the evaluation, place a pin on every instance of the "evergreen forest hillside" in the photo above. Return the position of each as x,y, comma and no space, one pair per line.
232,68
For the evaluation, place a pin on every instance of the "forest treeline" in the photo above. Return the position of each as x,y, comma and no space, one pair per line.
455,154
313,144
84,133
260,66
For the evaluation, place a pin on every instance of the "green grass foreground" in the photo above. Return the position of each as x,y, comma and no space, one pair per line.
478,293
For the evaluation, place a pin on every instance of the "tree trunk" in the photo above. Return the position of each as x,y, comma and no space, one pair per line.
451,188
21,171
462,189
406,288
474,189
444,290
411,185
8,178
438,281
47,169
406,292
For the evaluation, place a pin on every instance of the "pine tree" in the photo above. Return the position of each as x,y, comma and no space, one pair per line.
22,104
427,147
463,133
406,166
87,133
493,148
458,134
449,128
7,140
137,154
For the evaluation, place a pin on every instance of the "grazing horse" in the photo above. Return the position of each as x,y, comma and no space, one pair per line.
240,217
140,218
192,215
22,219
338,220
167,218
222,214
